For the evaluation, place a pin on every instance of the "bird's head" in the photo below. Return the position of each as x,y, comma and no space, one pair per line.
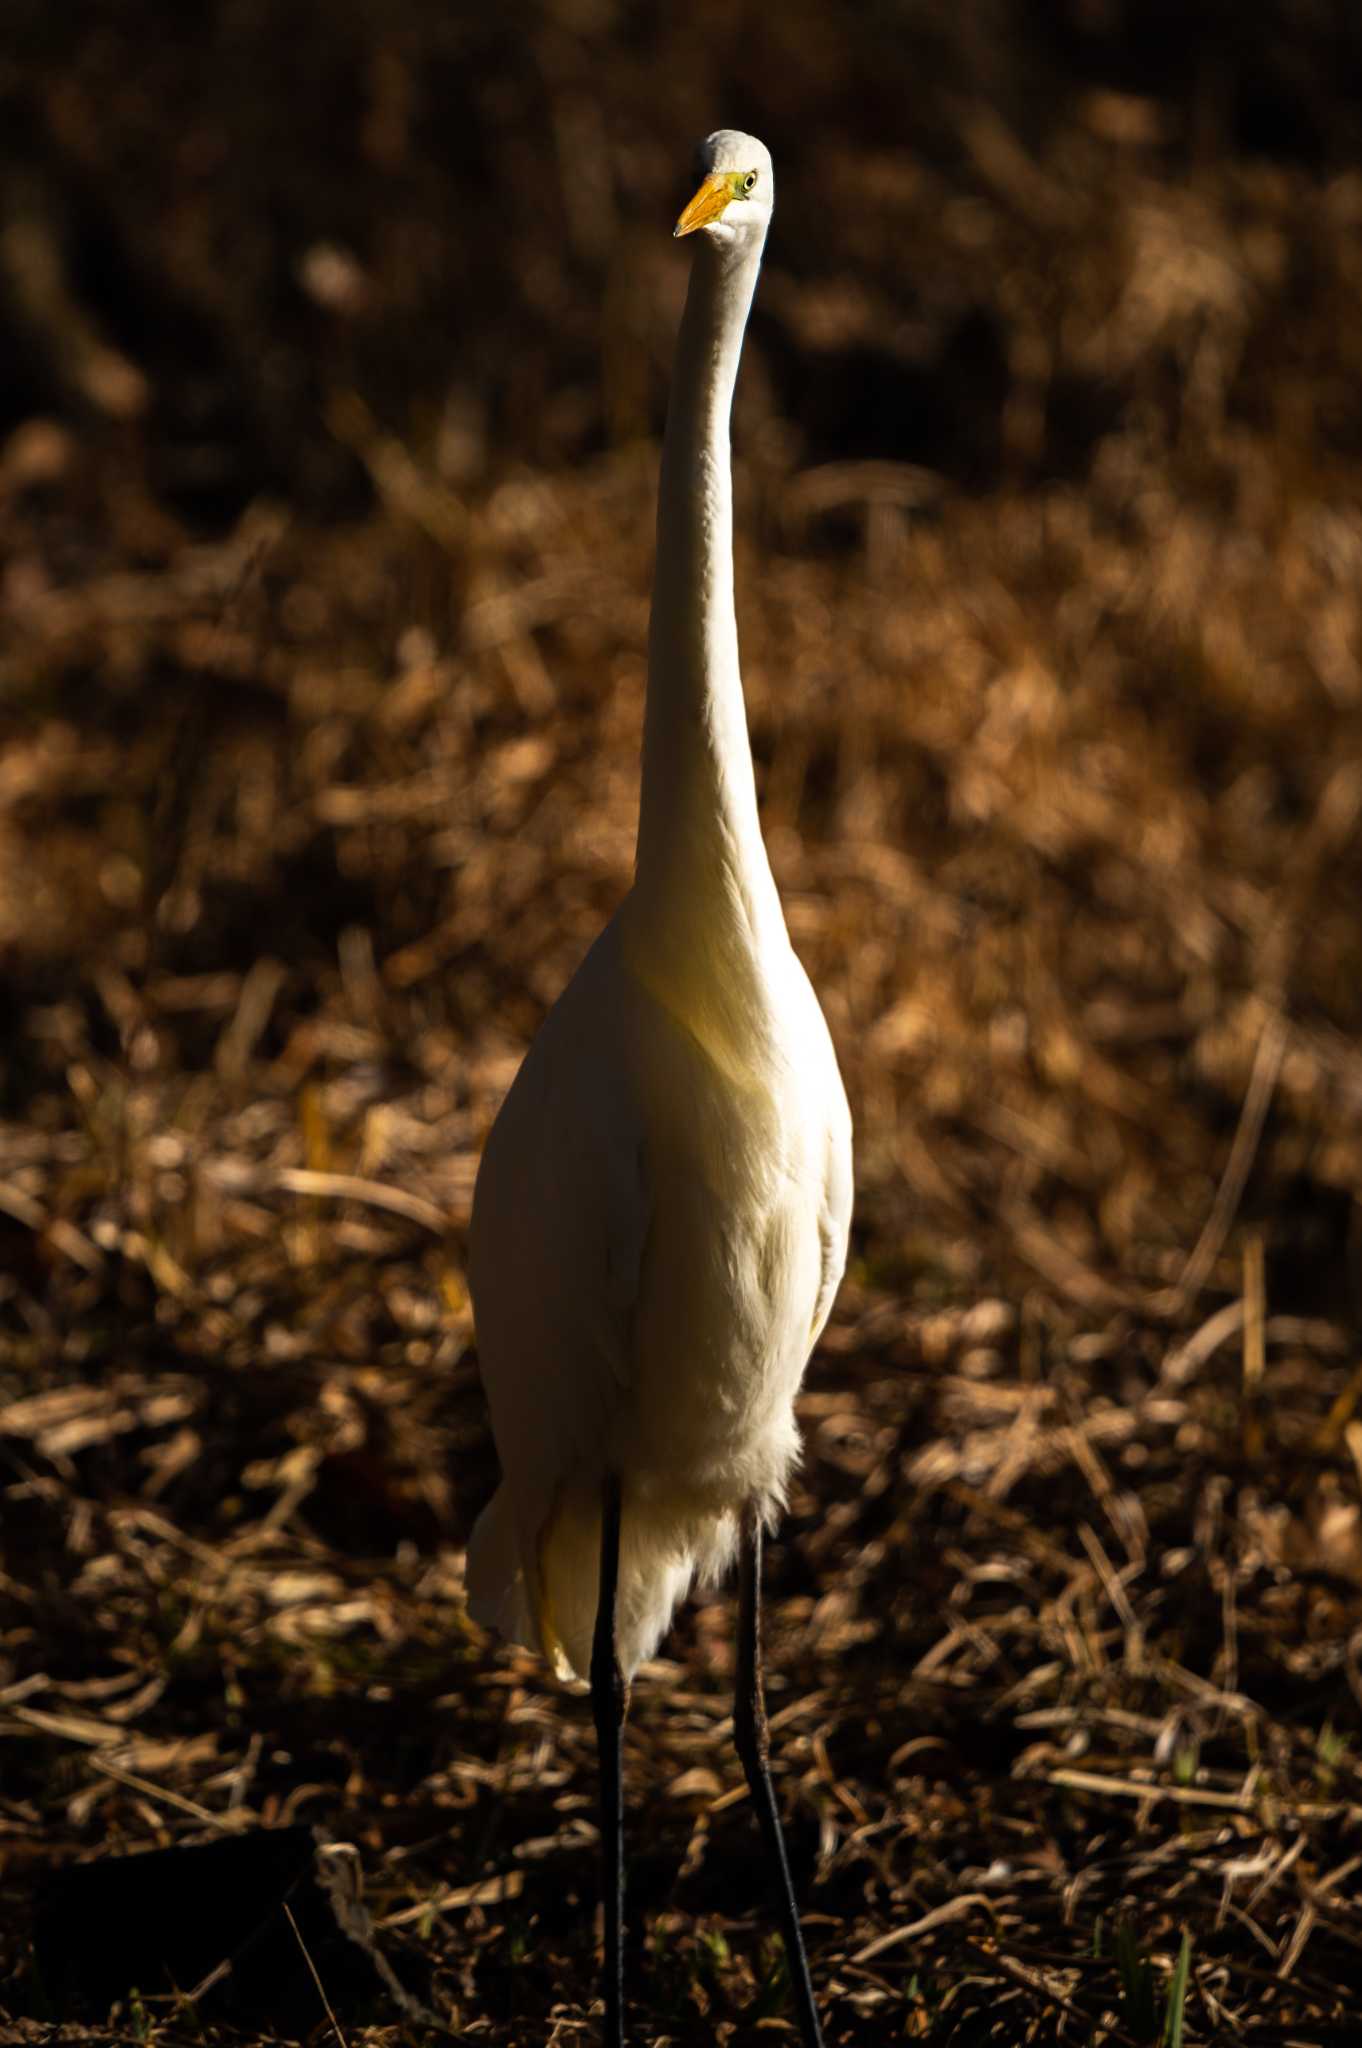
736,191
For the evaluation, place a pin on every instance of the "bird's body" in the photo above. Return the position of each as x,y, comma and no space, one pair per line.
678,1205
661,1214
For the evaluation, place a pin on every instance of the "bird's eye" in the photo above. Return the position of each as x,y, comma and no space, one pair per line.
749,181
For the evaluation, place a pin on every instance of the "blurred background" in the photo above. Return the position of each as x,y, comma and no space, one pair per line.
335,349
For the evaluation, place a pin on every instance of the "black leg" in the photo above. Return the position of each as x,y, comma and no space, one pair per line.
610,1704
753,1739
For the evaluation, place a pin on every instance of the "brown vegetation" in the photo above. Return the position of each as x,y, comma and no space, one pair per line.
337,358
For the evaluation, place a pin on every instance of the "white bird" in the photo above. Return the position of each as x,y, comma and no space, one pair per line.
661,1213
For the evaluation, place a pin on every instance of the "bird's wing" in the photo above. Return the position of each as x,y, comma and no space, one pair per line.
628,1217
560,1222
561,1216
590,1141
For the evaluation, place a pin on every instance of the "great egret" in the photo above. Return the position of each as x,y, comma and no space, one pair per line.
661,1213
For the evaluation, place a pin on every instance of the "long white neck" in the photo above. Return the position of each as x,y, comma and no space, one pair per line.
703,880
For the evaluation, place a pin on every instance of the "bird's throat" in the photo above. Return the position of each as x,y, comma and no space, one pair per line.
703,876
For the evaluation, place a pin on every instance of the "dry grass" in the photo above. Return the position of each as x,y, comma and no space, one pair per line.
325,595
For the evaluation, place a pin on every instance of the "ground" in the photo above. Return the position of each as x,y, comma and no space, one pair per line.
337,353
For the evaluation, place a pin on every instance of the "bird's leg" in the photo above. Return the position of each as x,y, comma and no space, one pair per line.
753,1739
610,1704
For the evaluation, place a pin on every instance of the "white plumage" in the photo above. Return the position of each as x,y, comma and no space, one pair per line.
660,1220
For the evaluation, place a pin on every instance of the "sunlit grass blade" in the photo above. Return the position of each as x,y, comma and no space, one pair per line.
1177,1995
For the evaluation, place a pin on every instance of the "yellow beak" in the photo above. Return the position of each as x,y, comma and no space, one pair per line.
708,203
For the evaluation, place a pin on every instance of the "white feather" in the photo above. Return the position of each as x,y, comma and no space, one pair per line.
661,1214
